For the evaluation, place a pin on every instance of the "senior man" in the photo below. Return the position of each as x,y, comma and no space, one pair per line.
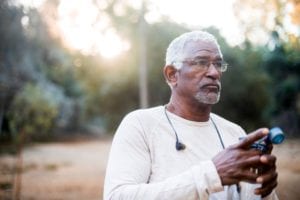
182,150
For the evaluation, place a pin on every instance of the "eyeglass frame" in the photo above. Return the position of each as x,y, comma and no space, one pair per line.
222,68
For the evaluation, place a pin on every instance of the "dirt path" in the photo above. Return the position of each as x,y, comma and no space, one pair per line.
64,171
288,164
75,171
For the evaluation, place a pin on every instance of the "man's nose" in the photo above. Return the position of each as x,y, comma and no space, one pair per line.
213,72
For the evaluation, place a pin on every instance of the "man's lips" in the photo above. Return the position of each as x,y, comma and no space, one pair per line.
211,86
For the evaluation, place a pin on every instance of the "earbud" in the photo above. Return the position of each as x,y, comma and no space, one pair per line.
179,146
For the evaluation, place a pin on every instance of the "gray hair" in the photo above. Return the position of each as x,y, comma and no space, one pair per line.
176,47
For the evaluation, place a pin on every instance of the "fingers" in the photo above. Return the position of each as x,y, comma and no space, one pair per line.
256,169
250,161
268,159
268,163
269,182
253,137
265,191
268,170
269,177
249,176
238,174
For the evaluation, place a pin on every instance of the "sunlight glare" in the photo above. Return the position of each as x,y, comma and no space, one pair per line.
85,29
111,45
203,13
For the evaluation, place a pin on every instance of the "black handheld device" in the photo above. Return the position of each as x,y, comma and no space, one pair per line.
275,136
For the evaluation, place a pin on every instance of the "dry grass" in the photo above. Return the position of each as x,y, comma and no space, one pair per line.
288,162
65,171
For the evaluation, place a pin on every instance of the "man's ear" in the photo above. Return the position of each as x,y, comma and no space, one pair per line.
170,74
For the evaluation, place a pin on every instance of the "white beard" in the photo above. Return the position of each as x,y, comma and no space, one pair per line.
210,98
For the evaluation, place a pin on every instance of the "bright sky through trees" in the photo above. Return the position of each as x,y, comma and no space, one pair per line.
203,13
79,29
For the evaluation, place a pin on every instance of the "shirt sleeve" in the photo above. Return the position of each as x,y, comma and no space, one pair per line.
129,169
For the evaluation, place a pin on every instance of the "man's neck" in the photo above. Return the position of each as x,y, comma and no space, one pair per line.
197,112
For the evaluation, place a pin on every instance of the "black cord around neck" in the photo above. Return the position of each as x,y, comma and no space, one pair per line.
180,146
220,138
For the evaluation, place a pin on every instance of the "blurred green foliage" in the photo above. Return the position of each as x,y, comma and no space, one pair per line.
47,89
32,112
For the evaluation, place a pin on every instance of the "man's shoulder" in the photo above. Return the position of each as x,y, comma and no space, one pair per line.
151,110
146,113
144,119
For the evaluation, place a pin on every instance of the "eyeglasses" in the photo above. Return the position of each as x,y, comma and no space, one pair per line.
204,64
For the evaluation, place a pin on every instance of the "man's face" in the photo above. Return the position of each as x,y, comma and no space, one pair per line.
195,83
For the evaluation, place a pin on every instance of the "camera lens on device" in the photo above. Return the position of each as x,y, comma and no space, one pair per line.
276,135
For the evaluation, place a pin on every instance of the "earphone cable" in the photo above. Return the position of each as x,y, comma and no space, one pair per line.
177,141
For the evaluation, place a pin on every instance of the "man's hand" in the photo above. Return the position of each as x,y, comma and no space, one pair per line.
268,176
234,164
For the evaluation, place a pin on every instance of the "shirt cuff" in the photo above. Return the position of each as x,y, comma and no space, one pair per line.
207,178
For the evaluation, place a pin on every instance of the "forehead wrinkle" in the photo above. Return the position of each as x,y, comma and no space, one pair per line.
193,49
211,53
205,49
217,57
210,50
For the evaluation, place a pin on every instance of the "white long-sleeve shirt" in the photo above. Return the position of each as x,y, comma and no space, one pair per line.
144,163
